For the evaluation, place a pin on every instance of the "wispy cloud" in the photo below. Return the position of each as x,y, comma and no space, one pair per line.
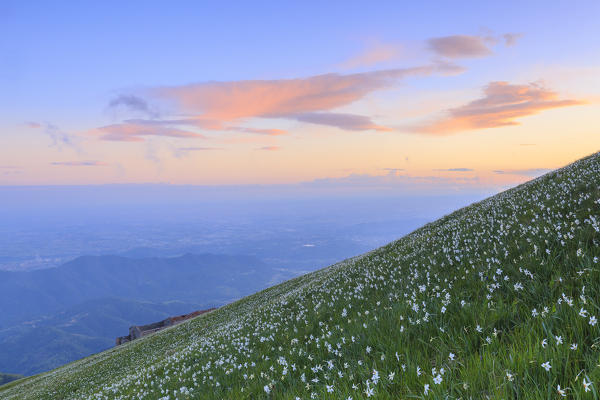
510,39
135,132
132,103
348,122
10,170
58,137
198,148
208,124
80,163
531,172
468,46
296,99
502,104
226,101
221,106
268,132
403,183
455,170
459,46
191,122
374,54
407,182
184,151
394,171
449,47
269,148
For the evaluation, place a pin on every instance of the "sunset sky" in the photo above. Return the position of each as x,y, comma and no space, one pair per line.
358,93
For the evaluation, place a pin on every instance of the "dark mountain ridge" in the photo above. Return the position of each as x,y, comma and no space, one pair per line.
190,278
53,316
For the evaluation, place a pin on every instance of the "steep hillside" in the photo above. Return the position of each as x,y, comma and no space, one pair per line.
497,300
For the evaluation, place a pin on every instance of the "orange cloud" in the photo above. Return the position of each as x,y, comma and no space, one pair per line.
216,105
135,132
226,101
501,105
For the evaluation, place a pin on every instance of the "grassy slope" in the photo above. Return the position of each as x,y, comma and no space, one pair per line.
471,305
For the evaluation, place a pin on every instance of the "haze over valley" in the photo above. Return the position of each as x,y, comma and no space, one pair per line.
102,265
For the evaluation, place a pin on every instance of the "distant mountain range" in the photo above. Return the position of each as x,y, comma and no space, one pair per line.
53,316
5,378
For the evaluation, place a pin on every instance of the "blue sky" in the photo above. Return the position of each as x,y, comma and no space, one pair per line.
63,62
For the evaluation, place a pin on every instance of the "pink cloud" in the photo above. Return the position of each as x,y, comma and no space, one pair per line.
287,98
269,132
80,163
218,105
269,148
135,132
371,56
501,105
228,101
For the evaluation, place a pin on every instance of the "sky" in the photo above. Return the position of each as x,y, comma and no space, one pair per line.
410,95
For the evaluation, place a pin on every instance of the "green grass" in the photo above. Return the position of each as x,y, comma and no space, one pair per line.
472,305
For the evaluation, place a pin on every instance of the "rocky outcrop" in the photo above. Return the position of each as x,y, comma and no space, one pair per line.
138,331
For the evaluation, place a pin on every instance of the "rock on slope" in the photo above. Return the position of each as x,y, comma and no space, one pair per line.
497,300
